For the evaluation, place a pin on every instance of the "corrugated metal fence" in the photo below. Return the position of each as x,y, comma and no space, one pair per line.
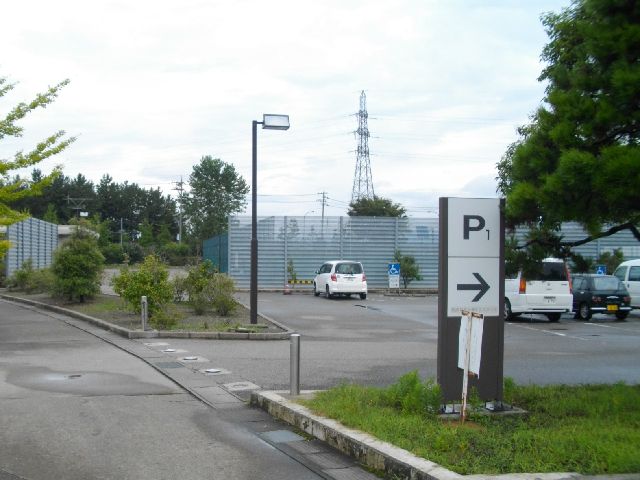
31,239
216,249
310,241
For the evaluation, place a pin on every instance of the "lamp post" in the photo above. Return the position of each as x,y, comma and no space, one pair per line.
269,122
304,224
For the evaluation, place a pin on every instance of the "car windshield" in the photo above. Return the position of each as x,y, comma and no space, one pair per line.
349,268
606,283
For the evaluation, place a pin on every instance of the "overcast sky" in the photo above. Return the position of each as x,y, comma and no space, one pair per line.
157,84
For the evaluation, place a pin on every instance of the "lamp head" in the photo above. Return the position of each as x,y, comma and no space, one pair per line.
275,122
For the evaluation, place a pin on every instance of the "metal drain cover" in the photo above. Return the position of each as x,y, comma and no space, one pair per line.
169,365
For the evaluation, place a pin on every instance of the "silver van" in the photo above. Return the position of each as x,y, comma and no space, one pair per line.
548,293
629,273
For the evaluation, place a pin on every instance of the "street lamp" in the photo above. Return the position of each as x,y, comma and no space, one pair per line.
304,224
269,122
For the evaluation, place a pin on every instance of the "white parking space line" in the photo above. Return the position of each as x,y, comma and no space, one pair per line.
615,327
547,331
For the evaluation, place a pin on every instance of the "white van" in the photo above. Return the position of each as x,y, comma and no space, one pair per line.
629,273
548,293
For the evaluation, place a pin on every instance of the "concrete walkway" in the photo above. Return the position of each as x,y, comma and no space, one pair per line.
72,406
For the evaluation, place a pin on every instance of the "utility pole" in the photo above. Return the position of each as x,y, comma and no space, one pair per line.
324,201
179,188
362,181
77,204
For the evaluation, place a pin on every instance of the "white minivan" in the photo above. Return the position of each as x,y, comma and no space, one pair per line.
340,277
548,292
629,273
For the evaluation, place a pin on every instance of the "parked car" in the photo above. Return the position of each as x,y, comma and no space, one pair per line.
600,294
340,277
629,273
548,292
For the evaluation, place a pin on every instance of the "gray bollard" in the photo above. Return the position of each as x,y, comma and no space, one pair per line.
295,364
144,312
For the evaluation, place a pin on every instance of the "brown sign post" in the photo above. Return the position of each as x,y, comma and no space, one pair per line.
471,278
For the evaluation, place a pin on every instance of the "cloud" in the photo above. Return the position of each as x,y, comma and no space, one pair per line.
157,84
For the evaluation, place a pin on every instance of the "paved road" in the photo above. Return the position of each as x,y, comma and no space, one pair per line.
75,406
376,340
121,419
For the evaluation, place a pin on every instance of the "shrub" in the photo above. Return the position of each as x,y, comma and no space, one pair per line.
150,280
164,319
134,252
175,253
42,281
199,286
409,268
179,284
113,253
31,280
223,288
208,289
77,266
20,277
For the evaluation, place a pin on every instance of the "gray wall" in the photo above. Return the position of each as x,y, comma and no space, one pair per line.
31,239
310,241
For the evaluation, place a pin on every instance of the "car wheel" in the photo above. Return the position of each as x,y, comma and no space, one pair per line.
508,314
363,296
584,312
553,317
315,290
328,293
622,315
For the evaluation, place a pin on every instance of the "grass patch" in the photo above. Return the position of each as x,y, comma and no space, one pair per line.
589,429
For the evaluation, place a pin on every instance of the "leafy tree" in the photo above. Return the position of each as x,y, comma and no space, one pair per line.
77,266
611,260
146,234
13,190
164,235
50,215
409,268
579,158
133,204
216,192
376,207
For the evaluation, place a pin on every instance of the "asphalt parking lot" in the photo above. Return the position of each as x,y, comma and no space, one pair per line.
376,340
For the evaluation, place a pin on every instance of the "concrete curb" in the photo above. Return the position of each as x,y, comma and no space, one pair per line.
135,334
380,455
